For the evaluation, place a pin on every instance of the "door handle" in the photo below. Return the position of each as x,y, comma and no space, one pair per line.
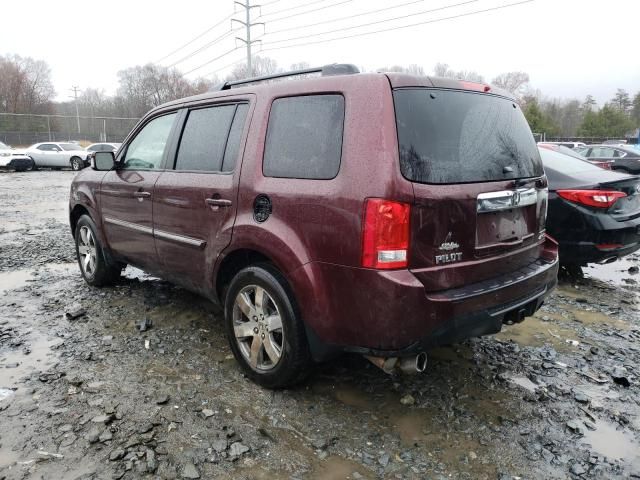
218,202
141,194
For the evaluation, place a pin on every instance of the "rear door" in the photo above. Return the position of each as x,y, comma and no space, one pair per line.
479,185
194,203
126,193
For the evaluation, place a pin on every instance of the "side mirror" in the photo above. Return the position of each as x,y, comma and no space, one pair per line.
102,161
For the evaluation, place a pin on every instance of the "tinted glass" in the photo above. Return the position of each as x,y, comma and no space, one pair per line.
147,148
70,146
602,152
235,135
94,148
204,138
304,137
565,164
47,147
457,137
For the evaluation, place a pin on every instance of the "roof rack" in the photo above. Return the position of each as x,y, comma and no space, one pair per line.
327,70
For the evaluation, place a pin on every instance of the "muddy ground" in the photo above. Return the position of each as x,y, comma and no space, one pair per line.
557,396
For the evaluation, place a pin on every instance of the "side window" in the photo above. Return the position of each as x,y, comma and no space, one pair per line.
204,138
147,149
235,135
304,137
48,147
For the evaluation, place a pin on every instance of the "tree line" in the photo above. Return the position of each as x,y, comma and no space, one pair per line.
26,87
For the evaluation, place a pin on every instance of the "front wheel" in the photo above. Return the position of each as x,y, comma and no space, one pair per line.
264,328
76,164
96,267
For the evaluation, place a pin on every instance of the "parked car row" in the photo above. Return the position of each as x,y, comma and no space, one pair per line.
54,155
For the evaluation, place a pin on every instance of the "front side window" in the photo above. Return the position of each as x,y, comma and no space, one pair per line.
304,137
146,150
204,138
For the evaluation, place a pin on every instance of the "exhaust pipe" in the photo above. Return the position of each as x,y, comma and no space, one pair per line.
406,365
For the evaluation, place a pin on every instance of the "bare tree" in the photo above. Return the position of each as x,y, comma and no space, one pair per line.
443,70
412,69
515,83
260,66
25,85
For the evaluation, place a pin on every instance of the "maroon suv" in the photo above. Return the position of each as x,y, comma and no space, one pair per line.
383,214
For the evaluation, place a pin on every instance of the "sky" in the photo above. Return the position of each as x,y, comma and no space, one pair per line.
569,48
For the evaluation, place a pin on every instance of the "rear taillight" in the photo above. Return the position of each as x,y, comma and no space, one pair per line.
478,87
592,198
605,165
385,234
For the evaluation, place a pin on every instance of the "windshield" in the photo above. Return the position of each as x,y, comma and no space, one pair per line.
448,136
566,164
4,146
70,146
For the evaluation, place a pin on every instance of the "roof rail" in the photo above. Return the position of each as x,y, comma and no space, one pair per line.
327,70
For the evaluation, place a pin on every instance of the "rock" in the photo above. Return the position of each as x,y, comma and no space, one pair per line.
634,269
145,427
107,340
383,459
408,399
582,300
105,436
68,440
152,464
320,444
238,449
162,399
357,476
206,413
577,469
620,377
117,454
93,436
102,419
189,470
580,397
575,426
75,311
75,381
144,324
219,445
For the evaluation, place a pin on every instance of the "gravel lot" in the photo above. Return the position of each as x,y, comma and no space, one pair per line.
137,381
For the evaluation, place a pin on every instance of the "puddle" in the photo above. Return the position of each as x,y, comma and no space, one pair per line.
607,440
596,319
14,279
534,332
15,364
615,272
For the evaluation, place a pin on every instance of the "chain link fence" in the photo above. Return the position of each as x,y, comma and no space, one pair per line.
20,130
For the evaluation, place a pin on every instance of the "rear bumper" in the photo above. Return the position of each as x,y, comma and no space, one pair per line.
17,164
391,314
601,245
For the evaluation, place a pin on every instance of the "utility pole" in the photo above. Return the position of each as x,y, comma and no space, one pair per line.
247,24
75,89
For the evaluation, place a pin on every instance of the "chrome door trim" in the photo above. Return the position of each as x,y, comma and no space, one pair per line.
506,199
129,225
194,242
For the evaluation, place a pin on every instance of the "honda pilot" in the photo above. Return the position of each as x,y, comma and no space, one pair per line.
382,214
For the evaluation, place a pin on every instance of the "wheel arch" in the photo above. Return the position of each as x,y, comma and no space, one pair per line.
75,215
232,263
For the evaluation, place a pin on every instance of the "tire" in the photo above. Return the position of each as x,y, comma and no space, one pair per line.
98,270
34,166
76,164
281,357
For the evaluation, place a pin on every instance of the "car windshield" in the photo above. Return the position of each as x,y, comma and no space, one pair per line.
4,146
631,150
566,164
450,136
70,146
566,151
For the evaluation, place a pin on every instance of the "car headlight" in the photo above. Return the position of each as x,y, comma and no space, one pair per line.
3,154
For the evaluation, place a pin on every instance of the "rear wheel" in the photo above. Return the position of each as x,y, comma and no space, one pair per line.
264,329
96,266
76,164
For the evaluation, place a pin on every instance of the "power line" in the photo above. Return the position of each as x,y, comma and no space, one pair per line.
232,64
308,11
196,38
202,48
291,8
218,58
377,22
371,12
500,7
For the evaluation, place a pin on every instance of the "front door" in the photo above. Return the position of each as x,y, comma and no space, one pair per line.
194,204
126,193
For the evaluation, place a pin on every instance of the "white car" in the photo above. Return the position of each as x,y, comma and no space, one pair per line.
11,159
58,155
103,147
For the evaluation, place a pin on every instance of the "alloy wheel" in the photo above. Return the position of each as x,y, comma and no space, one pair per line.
87,251
257,325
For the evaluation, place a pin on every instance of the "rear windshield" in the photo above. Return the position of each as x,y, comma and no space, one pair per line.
70,146
448,136
565,164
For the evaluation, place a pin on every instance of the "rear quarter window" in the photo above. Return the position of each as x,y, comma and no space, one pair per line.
304,137
452,136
